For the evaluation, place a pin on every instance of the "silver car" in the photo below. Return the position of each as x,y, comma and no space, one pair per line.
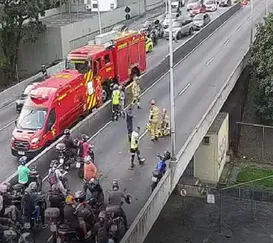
200,20
180,28
192,4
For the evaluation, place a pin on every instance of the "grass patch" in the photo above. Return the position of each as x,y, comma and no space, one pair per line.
251,173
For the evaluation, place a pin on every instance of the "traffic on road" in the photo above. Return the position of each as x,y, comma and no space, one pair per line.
108,166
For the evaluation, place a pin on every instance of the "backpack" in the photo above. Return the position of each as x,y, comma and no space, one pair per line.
52,178
102,235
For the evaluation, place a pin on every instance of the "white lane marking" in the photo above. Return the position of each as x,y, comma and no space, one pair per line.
209,61
7,125
248,17
184,89
227,41
239,28
8,105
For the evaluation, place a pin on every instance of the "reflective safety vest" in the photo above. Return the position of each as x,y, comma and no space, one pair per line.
115,97
134,140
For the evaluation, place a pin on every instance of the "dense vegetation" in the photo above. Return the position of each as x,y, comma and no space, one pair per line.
261,64
19,21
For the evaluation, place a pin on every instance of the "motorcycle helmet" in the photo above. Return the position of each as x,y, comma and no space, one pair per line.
69,199
84,137
115,185
102,215
53,163
67,132
23,160
60,147
167,155
80,196
87,159
115,86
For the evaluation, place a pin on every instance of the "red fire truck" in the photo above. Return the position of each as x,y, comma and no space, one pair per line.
115,58
51,107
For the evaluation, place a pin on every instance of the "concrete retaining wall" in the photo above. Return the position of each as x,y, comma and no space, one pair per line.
99,118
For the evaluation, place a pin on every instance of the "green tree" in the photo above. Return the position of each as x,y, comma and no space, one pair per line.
261,66
19,21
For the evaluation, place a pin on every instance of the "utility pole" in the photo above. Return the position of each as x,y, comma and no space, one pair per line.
100,28
252,21
171,82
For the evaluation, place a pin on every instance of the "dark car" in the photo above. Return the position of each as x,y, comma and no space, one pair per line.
20,102
120,28
224,3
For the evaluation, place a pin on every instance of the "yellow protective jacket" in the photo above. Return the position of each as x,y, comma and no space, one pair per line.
135,89
134,140
154,114
115,97
165,119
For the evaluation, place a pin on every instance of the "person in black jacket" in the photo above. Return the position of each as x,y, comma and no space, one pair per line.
129,121
69,143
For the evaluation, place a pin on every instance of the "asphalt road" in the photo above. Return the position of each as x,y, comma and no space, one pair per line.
8,114
198,79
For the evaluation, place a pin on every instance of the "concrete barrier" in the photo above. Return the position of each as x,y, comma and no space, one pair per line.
149,213
91,124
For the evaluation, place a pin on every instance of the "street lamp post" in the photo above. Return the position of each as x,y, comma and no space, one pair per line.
100,28
266,8
171,81
252,21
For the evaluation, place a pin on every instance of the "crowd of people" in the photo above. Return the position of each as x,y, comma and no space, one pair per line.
87,213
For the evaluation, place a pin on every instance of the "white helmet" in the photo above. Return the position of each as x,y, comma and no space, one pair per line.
115,86
87,159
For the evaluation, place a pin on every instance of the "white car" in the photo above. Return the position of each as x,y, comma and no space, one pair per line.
211,5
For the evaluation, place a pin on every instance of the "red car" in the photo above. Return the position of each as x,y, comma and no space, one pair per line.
197,10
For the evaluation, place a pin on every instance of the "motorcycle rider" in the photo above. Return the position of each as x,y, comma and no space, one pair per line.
101,228
6,206
95,189
69,143
116,198
86,148
165,124
55,176
71,216
31,204
89,169
161,165
23,172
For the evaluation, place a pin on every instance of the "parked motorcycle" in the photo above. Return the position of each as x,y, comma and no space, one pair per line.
17,234
160,169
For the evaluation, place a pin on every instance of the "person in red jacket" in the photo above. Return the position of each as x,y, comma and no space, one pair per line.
99,94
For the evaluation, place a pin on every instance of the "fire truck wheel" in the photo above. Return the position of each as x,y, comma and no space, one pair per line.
105,93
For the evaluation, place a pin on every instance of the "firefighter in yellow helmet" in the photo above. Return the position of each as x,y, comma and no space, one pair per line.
165,123
136,92
154,120
115,102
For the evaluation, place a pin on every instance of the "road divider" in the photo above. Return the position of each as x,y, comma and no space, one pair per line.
95,121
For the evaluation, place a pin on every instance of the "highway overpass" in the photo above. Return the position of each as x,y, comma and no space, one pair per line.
199,79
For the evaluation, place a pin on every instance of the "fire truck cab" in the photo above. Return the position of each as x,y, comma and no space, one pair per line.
51,107
115,58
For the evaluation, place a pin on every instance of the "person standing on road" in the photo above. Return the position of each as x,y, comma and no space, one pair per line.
122,100
134,148
136,92
99,94
154,121
129,121
115,102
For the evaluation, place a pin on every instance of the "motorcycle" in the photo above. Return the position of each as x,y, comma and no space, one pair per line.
17,234
52,216
35,177
158,173
33,221
64,161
